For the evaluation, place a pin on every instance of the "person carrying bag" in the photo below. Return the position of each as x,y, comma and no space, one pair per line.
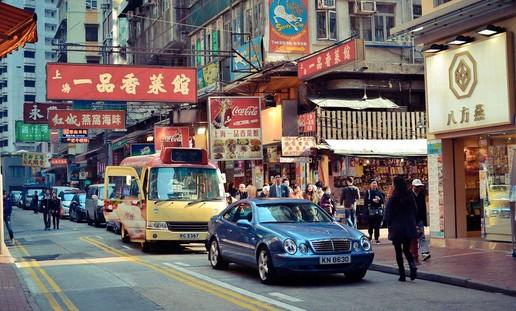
374,200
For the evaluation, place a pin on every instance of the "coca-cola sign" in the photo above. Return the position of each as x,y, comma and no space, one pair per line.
169,136
235,129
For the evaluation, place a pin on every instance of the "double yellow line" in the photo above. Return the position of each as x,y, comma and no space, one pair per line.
35,272
226,294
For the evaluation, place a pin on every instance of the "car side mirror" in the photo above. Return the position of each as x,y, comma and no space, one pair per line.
94,197
244,223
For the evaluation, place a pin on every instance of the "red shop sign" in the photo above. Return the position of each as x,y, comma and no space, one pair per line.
330,59
121,83
86,119
58,162
306,122
38,112
169,136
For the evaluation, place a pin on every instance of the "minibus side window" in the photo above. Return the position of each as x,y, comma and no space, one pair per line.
145,182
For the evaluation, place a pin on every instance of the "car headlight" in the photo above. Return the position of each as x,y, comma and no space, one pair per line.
157,225
356,246
364,242
303,248
290,246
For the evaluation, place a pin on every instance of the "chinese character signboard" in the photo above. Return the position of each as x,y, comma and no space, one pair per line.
306,122
469,87
35,159
37,112
249,52
288,26
327,60
58,162
292,146
121,83
31,132
169,136
75,136
86,119
142,149
235,132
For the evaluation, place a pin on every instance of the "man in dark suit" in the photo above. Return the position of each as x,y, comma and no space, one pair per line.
278,190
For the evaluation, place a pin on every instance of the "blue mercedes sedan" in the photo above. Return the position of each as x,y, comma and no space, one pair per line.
286,235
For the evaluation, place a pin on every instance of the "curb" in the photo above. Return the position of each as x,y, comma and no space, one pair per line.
450,280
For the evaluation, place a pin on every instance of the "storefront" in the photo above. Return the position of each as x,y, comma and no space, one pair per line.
471,114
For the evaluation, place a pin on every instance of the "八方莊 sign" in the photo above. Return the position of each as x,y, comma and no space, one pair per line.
469,87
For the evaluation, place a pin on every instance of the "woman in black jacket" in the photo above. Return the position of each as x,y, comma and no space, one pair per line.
400,218
56,210
45,208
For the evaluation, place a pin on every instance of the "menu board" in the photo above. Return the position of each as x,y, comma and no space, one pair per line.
235,128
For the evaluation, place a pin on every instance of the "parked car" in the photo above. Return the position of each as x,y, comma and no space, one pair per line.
66,197
28,191
59,189
16,198
78,207
95,204
286,235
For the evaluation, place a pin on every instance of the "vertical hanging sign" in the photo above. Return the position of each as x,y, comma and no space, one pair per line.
288,26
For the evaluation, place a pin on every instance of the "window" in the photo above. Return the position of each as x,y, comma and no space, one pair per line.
30,98
439,2
326,19
29,68
49,55
242,211
29,54
50,27
373,27
48,41
29,83
416,11
91,4
16,171
92,32
50,13
28,9
93,59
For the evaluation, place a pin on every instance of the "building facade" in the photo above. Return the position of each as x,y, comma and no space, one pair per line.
469,64
23,76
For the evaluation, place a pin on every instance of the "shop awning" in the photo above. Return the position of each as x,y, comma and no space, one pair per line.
357,104
379,147
83,157
17,27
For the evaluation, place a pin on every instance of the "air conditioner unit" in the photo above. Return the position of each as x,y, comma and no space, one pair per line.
325,4
365,7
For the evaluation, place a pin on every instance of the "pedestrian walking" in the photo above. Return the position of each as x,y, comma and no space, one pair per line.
400,217
55,209
310,194
420,244
8,209
348,198
44,207
265,193
296,192
34,202
374,200
278,190
328,202
241,193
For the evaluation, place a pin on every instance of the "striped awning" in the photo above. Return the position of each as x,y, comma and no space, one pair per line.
17,27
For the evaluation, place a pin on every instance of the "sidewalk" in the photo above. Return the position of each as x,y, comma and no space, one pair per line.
12,293
483,269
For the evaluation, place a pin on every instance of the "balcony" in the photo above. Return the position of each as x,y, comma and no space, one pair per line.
204,10
371,124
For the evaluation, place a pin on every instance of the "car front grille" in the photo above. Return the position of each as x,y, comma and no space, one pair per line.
188,226
331,246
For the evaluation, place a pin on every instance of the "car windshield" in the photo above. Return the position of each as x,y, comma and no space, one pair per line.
67,196
291,212
30,192
82,198
101,191
185,184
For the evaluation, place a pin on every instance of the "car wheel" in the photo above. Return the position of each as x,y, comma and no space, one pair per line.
216,260
265,268
357,275
96,220
88,219
123,235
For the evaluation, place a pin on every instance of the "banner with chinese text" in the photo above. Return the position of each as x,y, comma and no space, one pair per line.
121,83
288,26
142,149
58,162
170,136
86,119
75,136
329,59
293,146
38,112
35,159
306,122
31,132
235,128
